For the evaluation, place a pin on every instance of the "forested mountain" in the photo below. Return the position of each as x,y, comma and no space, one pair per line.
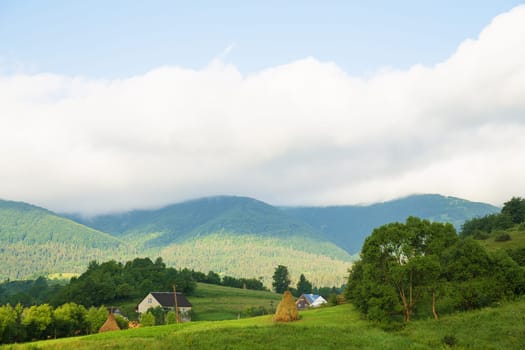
22,222
201,217
34,240
348,225
237,236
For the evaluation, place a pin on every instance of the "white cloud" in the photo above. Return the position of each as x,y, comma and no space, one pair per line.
301,133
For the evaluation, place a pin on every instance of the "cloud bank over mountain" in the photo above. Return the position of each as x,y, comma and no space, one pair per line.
301,133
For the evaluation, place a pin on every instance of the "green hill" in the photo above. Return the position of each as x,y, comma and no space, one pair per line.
197,218
339,327
235,236
35,241
349,225
257,256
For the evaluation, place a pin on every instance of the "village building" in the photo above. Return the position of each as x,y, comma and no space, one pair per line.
166,301
306,301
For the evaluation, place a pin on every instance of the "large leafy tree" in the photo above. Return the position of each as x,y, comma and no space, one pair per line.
398,266
404,263
8,323
70,319
281,279
515,208
38,321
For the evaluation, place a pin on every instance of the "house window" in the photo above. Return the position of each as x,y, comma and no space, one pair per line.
150,300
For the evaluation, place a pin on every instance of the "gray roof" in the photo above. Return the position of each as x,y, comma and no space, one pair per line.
166,299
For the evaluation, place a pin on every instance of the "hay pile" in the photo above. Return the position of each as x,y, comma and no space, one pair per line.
110,324
286,310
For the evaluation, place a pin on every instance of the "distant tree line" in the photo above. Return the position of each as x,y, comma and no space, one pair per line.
421,269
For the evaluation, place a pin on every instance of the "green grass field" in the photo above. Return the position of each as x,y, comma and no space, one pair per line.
215,303
516,233
211,302
337,327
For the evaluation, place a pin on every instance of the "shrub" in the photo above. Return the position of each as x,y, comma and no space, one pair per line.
502,237
122,322
147,319
256,311
449,340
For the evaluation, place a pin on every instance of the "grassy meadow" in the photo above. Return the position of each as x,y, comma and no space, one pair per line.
339,327
516,233
212,302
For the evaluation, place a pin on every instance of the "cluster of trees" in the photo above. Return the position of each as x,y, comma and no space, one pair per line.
19,324
112,281
419,268
512,213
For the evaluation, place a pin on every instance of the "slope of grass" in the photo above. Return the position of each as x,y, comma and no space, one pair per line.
211,302
327,328
516,233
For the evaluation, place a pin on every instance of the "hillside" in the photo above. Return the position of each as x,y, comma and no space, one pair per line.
257,256
348,225
200,217
35,241
236,236
339,327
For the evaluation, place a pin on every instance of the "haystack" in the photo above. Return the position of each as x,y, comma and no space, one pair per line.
286,310
110,324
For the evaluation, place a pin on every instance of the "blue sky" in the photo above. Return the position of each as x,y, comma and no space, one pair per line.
108,39
114,105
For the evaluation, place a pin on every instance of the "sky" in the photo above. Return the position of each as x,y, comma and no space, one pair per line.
112,106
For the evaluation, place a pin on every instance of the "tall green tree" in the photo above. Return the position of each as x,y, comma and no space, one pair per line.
281,279
95,318
8,324
398,267
515,208
303,286
70,319
38,321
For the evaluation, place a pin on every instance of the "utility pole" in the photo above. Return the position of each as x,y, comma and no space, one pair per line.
176,303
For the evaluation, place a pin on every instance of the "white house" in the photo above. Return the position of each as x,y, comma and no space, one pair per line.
166,300
309,300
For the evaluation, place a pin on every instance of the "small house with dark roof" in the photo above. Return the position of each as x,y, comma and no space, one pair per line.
166,300
306,301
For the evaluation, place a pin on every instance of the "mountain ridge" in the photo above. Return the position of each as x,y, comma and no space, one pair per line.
336,221
212,233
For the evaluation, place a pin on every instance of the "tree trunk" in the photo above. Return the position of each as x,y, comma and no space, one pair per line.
434,311
405,304
411,298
